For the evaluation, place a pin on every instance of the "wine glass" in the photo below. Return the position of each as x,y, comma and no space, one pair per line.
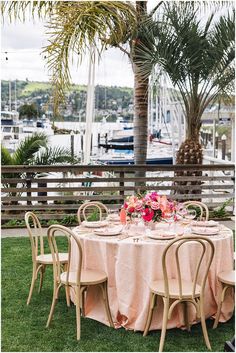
190,215
169,217
182,211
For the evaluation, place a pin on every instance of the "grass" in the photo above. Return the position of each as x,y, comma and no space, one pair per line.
23,327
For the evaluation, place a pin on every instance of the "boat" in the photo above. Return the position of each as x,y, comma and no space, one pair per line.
40,125
117,145
129,161
11,127
126,135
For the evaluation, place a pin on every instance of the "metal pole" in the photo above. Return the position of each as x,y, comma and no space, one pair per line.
216,145
9,95
223,140
214,138
72,143
15,98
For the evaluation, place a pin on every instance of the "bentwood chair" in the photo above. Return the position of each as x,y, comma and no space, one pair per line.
39,259
85,210
227,280
175,291
79,280
204,212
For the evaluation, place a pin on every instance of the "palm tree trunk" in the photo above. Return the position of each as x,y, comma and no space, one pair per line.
140,118
140,104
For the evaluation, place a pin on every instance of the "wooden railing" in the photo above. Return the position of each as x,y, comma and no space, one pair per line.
57,191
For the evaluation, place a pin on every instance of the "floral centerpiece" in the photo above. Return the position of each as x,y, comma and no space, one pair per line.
152,206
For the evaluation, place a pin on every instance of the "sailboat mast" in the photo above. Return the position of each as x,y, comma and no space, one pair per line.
15,98
9,95
89,107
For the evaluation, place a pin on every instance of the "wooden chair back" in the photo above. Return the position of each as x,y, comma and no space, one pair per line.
201,206
35,234
95,205
205,259
52,230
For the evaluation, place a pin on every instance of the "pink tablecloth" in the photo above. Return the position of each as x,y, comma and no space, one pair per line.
131,266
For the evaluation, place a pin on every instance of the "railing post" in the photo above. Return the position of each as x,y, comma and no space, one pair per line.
122,192
28,186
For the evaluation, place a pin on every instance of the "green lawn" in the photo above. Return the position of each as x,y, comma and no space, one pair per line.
23,327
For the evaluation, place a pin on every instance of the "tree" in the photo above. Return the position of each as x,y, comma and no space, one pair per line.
111,24
28,111
198,58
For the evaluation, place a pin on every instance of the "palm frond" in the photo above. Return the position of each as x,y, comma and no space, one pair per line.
19,10
75,27
53,155
28,147
198,58
6,158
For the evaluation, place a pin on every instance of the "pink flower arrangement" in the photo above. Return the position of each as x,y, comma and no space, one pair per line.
152,206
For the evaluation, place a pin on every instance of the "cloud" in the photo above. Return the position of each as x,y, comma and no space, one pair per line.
23,43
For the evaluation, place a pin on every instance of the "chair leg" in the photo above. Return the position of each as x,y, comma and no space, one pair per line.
150,313
67,290
106,302
220,302
164,324
186,316
82,304
77,307
203,323
34,277
42,271
54,299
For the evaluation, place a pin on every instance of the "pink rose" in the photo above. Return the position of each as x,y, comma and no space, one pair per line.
155,205
139,205
131,209
148,214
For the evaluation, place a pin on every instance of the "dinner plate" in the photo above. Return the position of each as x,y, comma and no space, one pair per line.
161,235
205,231
108,231
97,224
205,223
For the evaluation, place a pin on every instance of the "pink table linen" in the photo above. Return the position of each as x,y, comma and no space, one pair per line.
131,266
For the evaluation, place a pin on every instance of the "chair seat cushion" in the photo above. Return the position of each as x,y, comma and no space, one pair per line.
47,258
227,277
88,277
158,287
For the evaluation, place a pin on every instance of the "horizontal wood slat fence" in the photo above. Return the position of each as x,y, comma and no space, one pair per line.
55,192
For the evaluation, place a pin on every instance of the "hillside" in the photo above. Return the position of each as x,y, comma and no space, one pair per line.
109,100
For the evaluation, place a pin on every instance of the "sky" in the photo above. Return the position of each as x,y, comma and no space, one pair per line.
21,58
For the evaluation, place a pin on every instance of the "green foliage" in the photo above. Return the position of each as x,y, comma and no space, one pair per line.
94,216
28,111
53,221
69,220
14,223
221,211
198,56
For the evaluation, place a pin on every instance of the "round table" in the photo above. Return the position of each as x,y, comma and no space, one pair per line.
132,265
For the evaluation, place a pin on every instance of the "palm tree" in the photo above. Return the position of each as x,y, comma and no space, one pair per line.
75,27
197,57
33,150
